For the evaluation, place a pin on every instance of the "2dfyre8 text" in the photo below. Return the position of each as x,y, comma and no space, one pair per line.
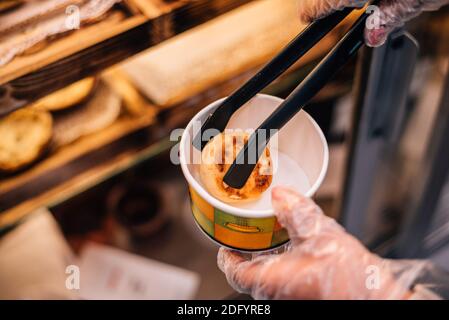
225,309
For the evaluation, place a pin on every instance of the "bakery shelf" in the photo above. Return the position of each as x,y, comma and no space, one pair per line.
132,27
95,158
85,180
106,153
101,155
74,167
131,139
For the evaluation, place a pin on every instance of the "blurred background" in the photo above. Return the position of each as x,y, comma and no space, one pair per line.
88,181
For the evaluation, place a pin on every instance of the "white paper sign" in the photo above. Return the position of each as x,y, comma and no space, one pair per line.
109,273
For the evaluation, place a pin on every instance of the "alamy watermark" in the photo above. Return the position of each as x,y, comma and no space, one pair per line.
373,21
372,281
73,17
72,281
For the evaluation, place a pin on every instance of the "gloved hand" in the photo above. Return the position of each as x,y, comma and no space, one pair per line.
322,262
392,13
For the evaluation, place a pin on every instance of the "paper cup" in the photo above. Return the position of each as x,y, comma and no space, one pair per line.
246,229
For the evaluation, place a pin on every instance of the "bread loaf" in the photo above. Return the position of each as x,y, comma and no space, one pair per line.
25,135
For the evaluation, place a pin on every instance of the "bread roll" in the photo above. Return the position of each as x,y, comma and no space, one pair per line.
25,134
66,97
98,113
217,157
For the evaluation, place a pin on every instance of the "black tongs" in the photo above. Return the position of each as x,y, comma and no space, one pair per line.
239,171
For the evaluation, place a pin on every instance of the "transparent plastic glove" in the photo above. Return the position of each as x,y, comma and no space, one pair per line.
322,261
391,13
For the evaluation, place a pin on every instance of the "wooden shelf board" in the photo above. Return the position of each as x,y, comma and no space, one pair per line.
82,182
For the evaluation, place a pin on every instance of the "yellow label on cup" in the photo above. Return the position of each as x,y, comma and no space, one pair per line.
236,232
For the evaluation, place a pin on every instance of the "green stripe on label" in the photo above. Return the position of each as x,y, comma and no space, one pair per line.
205,223
264,224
